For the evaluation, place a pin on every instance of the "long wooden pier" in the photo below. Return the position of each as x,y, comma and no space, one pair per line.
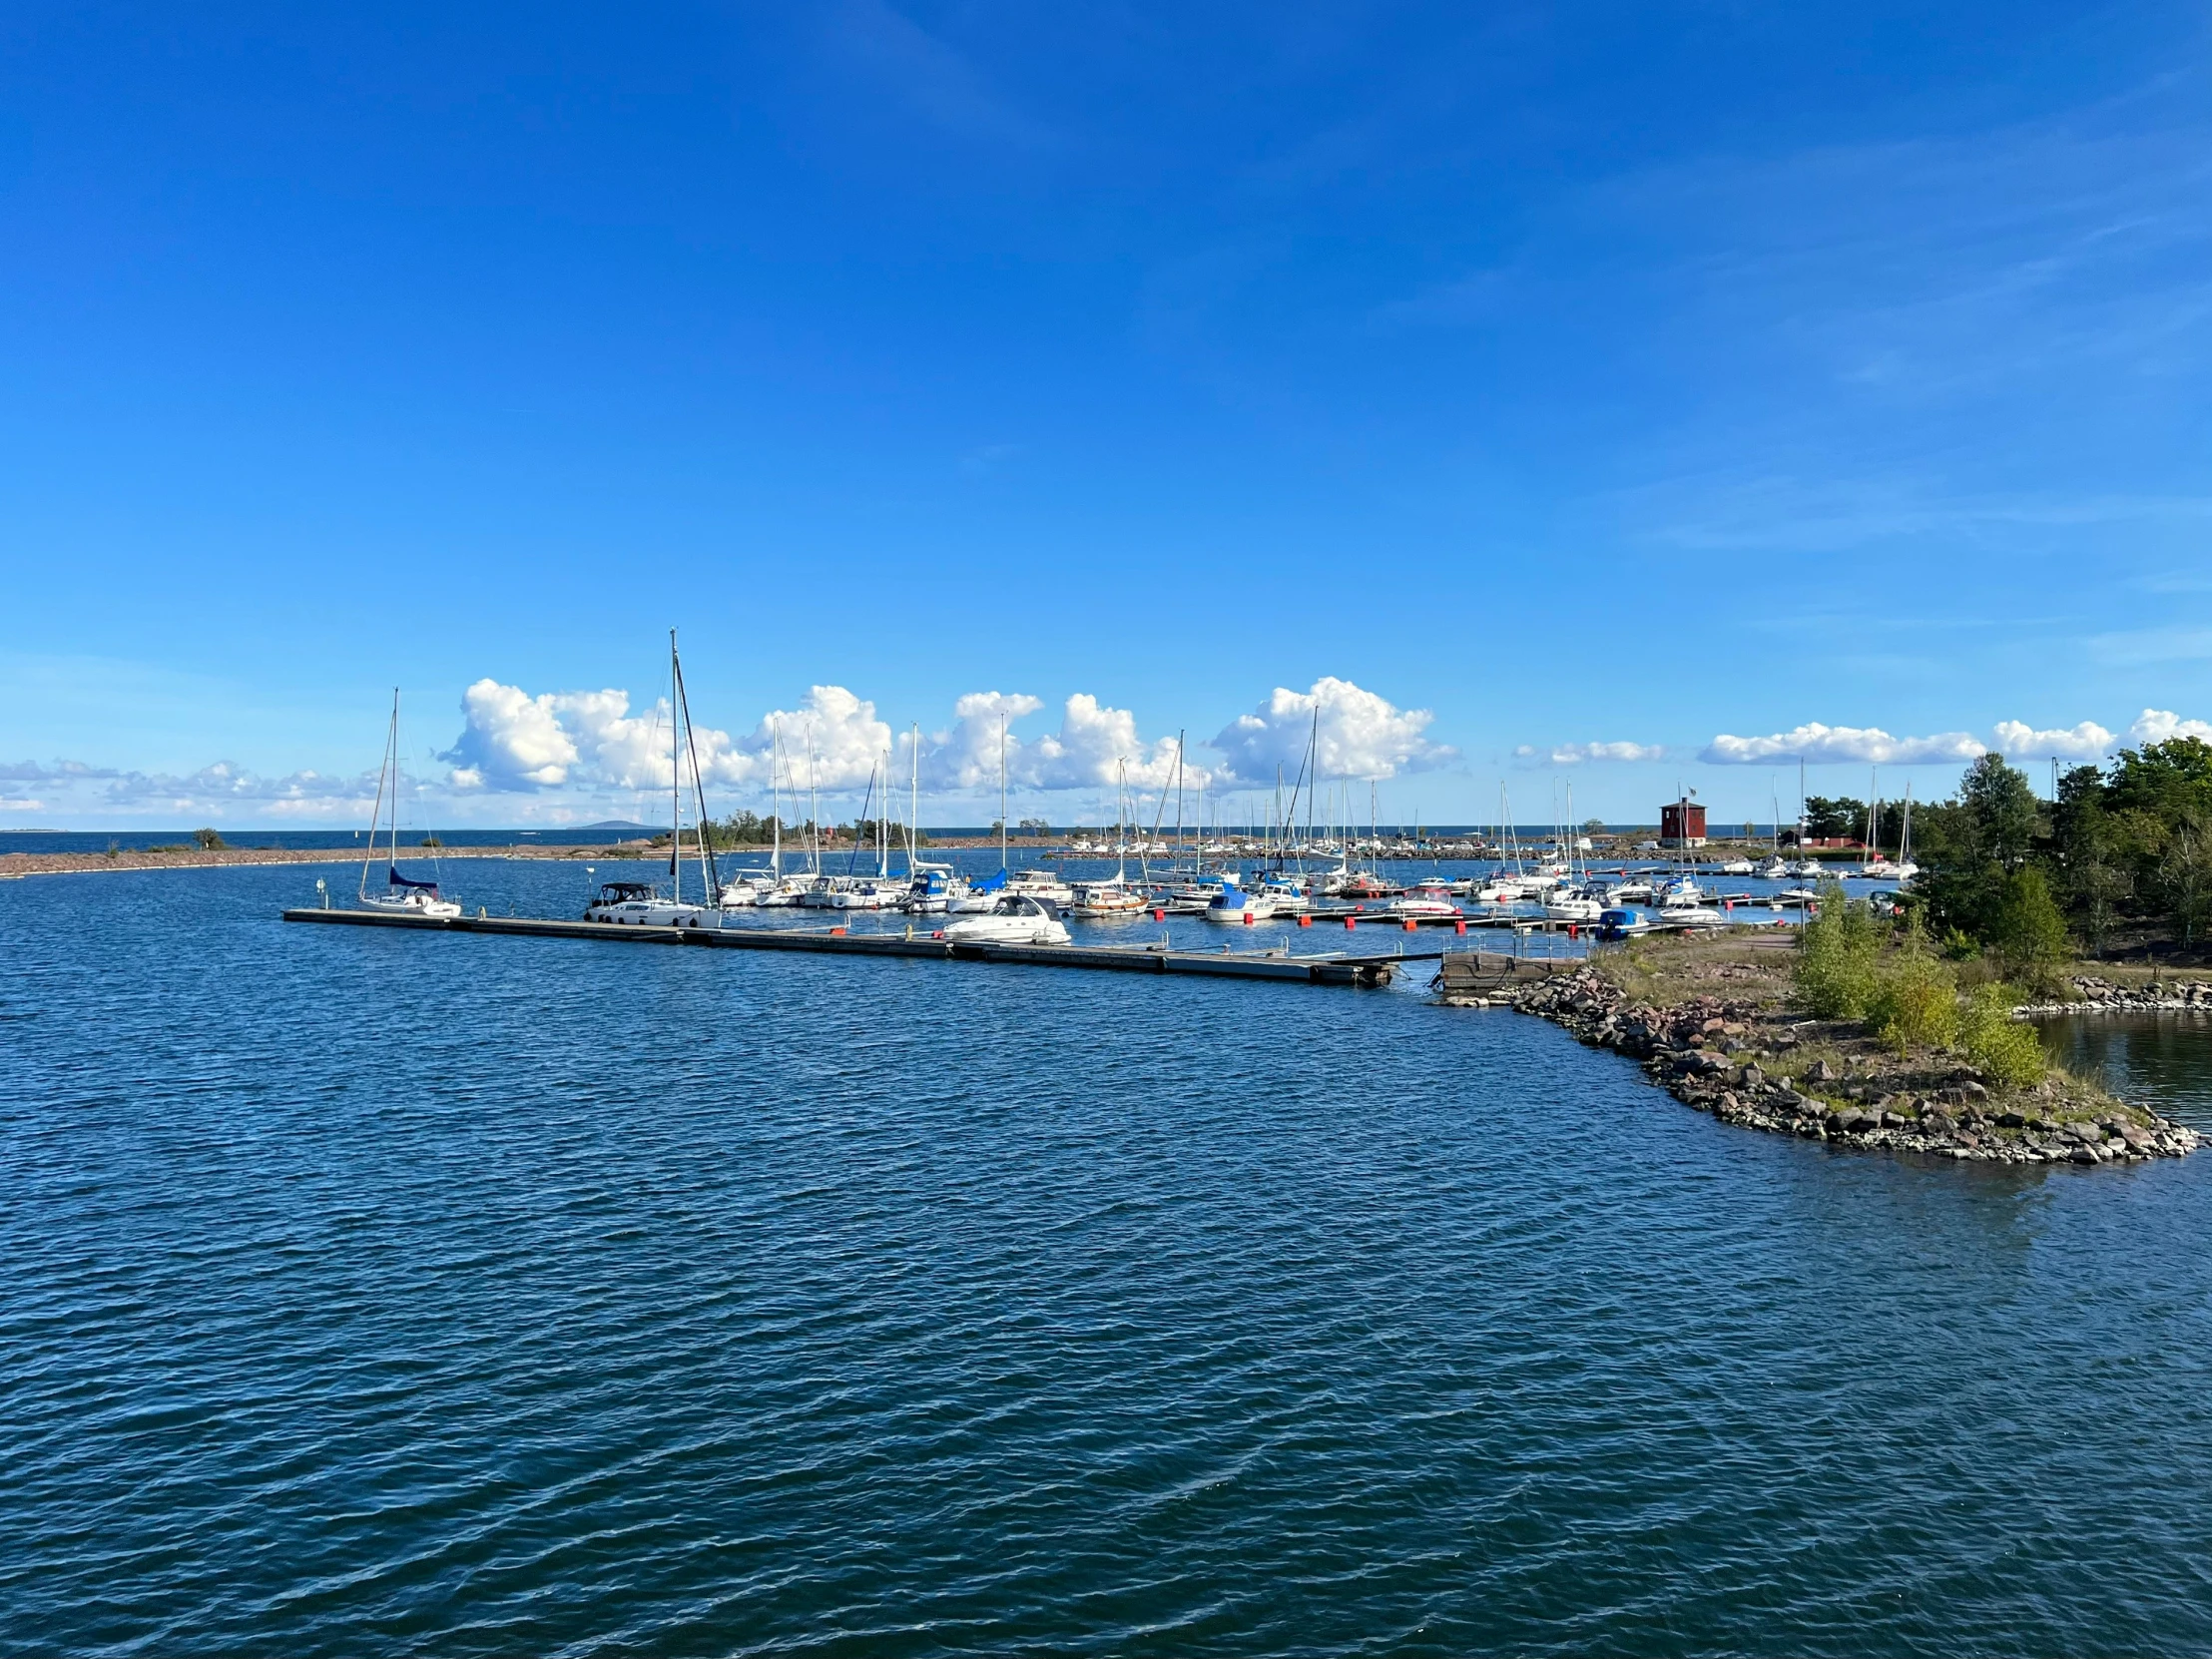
1333,967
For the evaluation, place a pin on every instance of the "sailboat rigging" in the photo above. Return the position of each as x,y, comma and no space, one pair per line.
401,894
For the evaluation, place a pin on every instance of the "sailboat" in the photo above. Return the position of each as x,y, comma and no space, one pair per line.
1111,896
983,897
641,903
401,895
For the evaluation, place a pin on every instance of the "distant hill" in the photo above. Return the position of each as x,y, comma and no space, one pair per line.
614,826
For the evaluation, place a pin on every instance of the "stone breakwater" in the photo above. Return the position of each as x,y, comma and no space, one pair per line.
2101,997
1736,1062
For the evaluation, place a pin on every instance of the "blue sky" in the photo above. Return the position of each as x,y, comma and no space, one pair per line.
1539,391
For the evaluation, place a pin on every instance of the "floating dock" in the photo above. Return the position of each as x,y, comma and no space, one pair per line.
1333,967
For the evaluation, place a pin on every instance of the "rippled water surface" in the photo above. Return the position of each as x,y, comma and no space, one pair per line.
448,1295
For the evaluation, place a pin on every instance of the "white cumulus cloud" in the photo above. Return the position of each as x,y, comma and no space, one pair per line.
832,741
1823,745
1085,754
1359,734
2019,740
2160,724
965,757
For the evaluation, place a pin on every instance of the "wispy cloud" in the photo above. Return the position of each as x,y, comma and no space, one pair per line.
2143,646
1577,754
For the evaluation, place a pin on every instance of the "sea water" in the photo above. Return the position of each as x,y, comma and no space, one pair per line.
366,1291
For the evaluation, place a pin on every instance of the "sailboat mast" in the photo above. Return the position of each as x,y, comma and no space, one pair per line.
710,878
376,813
675,782
394,865
913,806
1002,788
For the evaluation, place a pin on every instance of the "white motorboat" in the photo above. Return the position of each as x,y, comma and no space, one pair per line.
1040,883
1631,891
1688,917
1575,904
1415,905
1808,867
1015,918
870,894
1775,869
1678,891
741,891
1738,867
401,894
1288,894
641,904
1233,907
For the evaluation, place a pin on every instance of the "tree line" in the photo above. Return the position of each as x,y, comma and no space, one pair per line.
2124,853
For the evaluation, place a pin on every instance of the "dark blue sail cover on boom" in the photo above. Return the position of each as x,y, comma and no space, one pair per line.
396,879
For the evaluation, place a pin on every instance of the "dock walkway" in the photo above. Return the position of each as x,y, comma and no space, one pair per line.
1333,968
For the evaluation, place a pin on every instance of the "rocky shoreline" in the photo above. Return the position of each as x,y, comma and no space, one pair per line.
1756,1067
2102,996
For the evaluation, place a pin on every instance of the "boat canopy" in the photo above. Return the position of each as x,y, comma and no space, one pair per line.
395,878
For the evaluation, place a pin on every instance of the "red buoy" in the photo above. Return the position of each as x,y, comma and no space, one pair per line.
1349,924
1248,919
1306,921
1411,924
1460,928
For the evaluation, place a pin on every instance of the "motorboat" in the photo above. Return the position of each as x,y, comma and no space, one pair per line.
1620,924
1575,904
1014,918
980,899
1634,890
1104,900
1688,915
1808,867
1040,883
742,888
641,904
1233,907
1738,867
933,890
870,893
1775,869
1289,894
1678,891
1416,904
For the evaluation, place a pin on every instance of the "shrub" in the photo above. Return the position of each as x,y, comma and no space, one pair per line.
2003,1048
2026,932
1837,951
207,840
1916,1001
